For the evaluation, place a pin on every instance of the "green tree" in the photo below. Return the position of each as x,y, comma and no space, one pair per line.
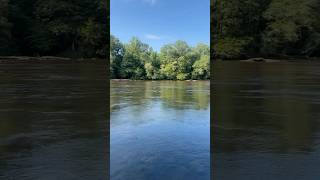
5,28
116,56
290,25
135,56
169,70
276,28
92,39
237,27
153,67
54,27
201,68
231,48
177,60
202,49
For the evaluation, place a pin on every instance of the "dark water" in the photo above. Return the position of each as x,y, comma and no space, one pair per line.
160,130
53,121
266,121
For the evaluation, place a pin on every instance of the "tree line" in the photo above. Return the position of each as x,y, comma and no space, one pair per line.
53,27
177,61
270,28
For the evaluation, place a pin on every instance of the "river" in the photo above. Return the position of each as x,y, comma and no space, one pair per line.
160,130
265,123
266,120
53,120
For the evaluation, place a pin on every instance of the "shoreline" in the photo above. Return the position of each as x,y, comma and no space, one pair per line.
188,80
47,59
275,59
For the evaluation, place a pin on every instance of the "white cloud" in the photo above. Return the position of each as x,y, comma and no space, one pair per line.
151,2
152,37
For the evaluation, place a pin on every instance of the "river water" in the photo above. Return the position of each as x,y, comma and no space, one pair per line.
266,121
53,121
160,130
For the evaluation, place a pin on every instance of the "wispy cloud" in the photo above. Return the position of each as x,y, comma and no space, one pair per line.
148,2
151,2
152,37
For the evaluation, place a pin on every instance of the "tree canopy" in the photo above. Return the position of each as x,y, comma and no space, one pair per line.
53,27
276,28
178,61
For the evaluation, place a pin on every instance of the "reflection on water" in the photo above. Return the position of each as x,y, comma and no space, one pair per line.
266,121
160,130
53,121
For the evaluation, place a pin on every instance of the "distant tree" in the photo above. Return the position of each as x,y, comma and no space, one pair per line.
291,25
92,39
153,67
169,70
231,48
237,27
176,57
135,56
201,68
54,27
202,49
5,28
178,61
245,28
116,56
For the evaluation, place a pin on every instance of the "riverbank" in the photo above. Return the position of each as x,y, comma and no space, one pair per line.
275,59
260,60
46,58
188,80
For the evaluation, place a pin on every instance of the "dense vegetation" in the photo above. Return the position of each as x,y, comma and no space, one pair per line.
269,28
178,61
53,27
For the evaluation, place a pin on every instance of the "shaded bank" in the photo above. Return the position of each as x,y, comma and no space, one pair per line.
187,80
18,59
272,59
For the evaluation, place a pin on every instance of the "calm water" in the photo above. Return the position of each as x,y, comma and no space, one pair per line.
266,121
160,130
53,121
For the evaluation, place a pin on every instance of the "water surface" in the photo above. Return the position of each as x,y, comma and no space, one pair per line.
266,121
160,130
53,120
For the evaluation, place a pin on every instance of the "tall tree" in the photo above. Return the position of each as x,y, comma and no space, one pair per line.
116,56
135,56
291,24
5,28
249,28
177,61
55,27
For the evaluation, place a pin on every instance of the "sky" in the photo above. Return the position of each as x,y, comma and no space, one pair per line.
159,22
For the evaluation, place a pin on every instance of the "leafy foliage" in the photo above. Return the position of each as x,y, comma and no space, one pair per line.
178,61
54,27
228,48
201,68
5,28
246,28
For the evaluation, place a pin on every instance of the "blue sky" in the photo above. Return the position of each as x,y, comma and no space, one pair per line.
159,22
